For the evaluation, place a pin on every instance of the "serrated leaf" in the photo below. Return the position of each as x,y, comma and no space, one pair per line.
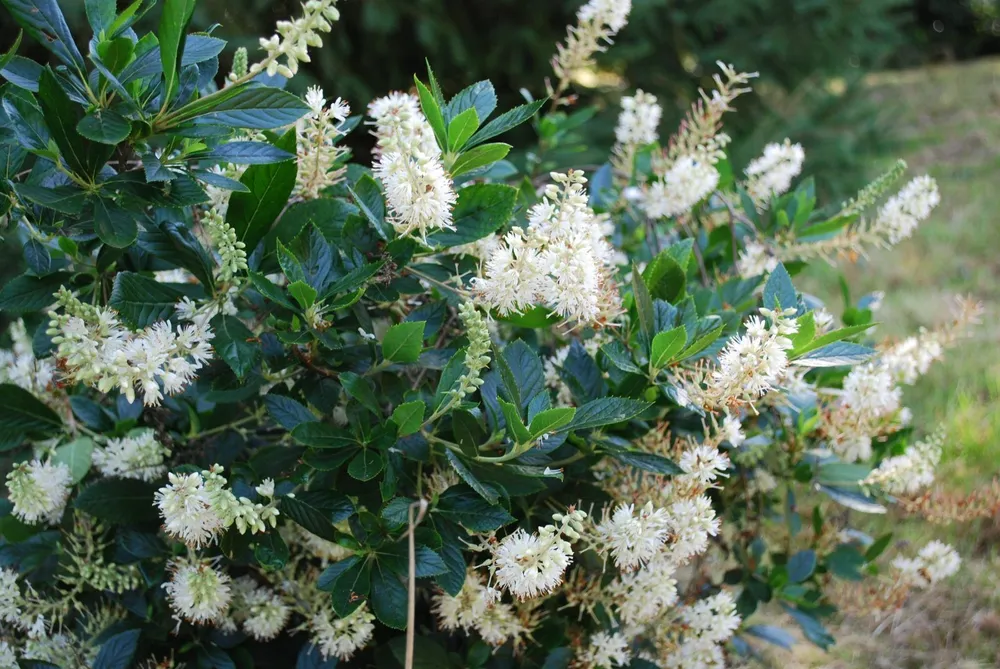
288,413
245,153
368,196
830,338
24,413
701,343
408,417
44,21
119,501
303,293
318,511
480,156
244,106
64,199
349,583
643,304
31,293
432,111
358,388
104,126
62,115
464,506
481,210
117,652
515,425
321,435
801,565
141,301
487,492
253,213
404,341
172,30
506,121
366,465
388,598
649,462
235,344
620,357
606,411
666,346
550,420
779,291
479,96
197,49
665,278
835,355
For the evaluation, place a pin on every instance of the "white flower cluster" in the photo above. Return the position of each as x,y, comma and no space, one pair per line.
293,38
197,508
710,623
912,358
418,190
137,456
772,173
705,462
19,366
232,252
97,350
911,471
633,539
869,399
529,565
562,260
903,212
198,592
257,609
637,127
39,491
606,651
750,364
935,562
688,181
477,607
317,135
342,637
597,22
10,597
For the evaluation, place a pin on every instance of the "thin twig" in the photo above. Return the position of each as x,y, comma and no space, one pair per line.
411,599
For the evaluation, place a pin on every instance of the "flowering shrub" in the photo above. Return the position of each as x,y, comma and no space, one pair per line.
262,402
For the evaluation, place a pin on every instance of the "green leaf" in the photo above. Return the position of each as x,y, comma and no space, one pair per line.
64,199
461,129
427,654
235,344
104,126
878,547
44,21
244,106
115,226
477,157
506,121
481,210
31,293
252,214
404,341
119,501
801,565
515,425
388,598
366,465
643,304
27,122
24,413
318,511
303,293
271,551
480,96
830,338
433,113
835,355
606,411
666,345
269,290
701,343
650,462
117,652
465,507
408,417
141,301
12,51
665,278
779,291
488,493
358,388
368,196
468,431
807,330
321,435
77,456
100,14
550,420
349,582
620,357
62,115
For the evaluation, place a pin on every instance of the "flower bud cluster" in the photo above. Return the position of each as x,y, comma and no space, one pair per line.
293,39
232,252
317,134
477,353
598,21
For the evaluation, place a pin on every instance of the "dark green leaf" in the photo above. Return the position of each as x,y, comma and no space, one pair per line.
100,14
318,511
481,210
480,156
104,126
480,96
878,547
252,214
64,199
115,226
701,343
404,341
772,634
487,492
288,413
606,411
368,197
62,115
31,293
24,413
408,417
643,304
245,153
366,465
666,346
515,425
43,20
433,113
235,344
461,127
257,108
172,32
506,121
388,598
619,356
550,420
465,507
271,551
141,301
349,582
119,501
649,462
197,48
77,456
321,435
117,652
801,565
26,121
665,278
779,291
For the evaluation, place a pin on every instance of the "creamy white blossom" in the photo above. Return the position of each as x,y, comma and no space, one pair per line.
641,596
19,366
756,259
633,539
911,471
705,463
198,592
689,181
597,22
292,39
317,134
342,637
259,610
39,491
606,650
529,565
934,562
772,173
691,523
10,597
137,456
477,607
903,212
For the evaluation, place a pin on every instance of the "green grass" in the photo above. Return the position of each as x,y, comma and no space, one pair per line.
948,118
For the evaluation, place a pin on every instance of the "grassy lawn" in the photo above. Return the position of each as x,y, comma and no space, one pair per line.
949,121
